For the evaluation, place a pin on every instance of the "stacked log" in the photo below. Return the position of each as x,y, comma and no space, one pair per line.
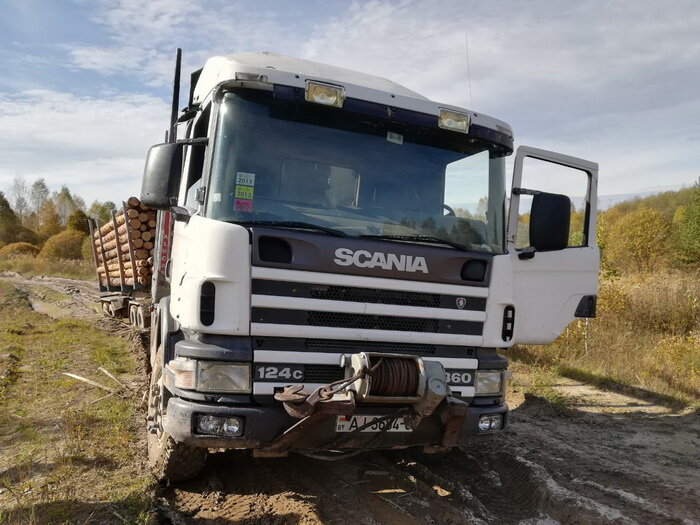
124,246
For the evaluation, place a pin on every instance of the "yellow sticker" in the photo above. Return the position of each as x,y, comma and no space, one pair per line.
244,192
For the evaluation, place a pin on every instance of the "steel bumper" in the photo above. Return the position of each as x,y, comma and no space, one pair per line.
263,424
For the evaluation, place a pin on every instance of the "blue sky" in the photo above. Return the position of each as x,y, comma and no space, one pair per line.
85,84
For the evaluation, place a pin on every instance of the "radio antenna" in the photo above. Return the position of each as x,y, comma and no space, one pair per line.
469,73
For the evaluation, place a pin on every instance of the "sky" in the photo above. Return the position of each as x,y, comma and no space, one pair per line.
86,84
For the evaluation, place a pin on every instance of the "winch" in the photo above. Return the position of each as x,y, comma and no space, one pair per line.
397,378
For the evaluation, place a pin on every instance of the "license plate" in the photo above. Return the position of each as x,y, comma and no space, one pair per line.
374,424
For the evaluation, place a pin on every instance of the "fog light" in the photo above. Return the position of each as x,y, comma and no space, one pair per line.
219,426
453,120
484,423
496,422
325,94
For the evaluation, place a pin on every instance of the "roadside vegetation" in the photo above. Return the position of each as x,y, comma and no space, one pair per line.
646,337
45,234
69,454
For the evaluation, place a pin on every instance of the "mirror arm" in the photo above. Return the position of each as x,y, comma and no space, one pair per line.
199,141
523,191
180,213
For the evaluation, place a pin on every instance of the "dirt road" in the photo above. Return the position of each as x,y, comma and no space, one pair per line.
608,458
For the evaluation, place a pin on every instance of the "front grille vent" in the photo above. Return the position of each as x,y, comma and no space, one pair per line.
323,373
207,303
371,295
371,346
373,322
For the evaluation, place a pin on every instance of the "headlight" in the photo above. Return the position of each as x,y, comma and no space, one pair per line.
210,376
213,376
488,382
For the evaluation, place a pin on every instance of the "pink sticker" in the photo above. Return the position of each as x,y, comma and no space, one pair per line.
242,205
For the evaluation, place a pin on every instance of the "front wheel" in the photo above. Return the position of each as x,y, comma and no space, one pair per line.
168,459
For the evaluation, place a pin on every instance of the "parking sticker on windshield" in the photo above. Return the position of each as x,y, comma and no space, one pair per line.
243,194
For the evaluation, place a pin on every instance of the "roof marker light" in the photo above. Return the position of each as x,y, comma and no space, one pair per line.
453,120
251,77
325,94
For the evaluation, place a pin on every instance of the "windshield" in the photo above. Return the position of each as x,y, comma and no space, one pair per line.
363,177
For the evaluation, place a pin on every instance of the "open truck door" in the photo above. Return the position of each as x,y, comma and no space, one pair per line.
552,243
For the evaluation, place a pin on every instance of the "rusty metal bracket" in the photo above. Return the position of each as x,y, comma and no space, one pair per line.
452,415
322,411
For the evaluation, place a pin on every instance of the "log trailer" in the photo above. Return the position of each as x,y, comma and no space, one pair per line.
317,285
122,250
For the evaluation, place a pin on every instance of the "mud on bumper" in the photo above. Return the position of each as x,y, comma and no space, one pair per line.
262,424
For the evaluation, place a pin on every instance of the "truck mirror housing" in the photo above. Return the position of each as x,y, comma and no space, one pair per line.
550,218
161,176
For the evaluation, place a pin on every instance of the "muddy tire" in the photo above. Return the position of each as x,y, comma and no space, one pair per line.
168,459
177,461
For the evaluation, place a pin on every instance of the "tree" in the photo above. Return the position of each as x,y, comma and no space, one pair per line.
79,202
65,245
638,240
9,223
38,193
11,229
101,211
78,221
65,205
688,231
48,220
19,194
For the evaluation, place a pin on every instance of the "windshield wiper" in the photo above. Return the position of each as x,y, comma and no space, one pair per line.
417,238
295,224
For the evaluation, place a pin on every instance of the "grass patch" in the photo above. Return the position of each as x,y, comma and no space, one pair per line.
645,341
65,460
70,269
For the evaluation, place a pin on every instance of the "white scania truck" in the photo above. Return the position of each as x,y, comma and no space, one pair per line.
337,265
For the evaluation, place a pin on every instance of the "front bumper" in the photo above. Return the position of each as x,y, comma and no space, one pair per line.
262,424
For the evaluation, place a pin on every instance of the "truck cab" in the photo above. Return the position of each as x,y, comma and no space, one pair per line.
339,262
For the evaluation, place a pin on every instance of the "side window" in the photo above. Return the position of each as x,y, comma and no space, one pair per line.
557,179
195,160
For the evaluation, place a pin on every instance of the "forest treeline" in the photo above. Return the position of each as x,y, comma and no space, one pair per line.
649,234
35,221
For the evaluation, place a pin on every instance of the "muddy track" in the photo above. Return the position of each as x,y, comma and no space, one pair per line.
611,459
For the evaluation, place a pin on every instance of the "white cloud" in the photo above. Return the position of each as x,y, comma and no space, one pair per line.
95,145
144,35
614,82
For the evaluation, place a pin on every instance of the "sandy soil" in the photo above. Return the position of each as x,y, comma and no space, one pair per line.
608,459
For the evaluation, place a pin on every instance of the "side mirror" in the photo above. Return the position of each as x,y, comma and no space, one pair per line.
161,176
550,218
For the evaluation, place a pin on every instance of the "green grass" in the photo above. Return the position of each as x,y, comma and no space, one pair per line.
27,265
67,458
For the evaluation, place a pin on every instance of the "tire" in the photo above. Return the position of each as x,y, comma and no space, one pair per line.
168,459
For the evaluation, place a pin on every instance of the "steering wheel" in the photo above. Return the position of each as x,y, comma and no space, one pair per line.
450,210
